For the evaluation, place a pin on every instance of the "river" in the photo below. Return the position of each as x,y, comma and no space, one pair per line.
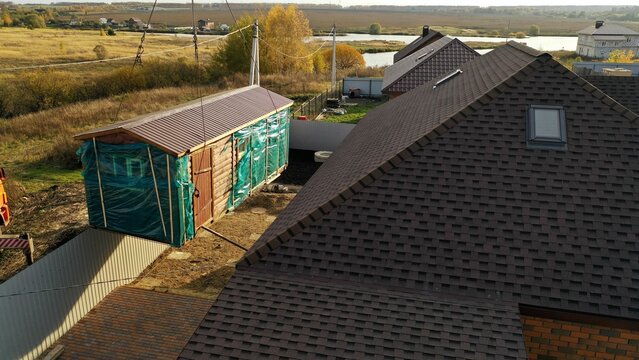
546,43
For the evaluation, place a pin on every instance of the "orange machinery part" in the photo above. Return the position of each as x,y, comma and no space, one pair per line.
4,205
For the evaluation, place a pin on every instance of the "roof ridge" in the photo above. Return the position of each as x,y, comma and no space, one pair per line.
526,49
599,94
255,254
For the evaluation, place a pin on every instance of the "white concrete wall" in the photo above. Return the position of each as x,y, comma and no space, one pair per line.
42,302
317,135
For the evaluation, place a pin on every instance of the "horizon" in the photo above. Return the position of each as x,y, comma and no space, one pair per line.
399,3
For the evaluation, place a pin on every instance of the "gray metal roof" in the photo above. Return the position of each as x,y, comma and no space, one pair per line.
608,29
187,126
453,53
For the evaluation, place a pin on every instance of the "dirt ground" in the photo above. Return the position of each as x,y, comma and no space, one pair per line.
51,216
210,260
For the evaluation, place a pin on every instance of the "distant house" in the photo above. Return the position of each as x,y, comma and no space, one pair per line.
436,59
428,36
205,25
103,21
598,40
137,24
163,175
491,214
224,28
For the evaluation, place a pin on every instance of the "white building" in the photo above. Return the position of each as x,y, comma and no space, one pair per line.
598,40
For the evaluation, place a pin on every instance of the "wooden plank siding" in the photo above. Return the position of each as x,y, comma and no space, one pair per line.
223,177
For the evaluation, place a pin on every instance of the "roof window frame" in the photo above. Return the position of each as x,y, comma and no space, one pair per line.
539,142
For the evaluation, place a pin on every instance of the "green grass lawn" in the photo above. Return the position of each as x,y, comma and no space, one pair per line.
354,113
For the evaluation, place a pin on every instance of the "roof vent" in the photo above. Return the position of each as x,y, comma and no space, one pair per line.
598,24
448,77
425,30
424,54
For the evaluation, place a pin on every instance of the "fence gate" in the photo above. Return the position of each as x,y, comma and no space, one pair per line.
202,177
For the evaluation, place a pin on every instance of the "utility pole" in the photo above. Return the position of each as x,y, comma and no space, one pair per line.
254,74
333,68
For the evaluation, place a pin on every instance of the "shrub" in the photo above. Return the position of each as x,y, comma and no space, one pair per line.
534,30
100,51
110,32
375,29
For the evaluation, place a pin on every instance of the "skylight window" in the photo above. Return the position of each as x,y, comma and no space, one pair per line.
448,77
424,54
546,127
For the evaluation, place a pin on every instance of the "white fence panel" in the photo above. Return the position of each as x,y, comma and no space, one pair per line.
317,135
369,87
42,302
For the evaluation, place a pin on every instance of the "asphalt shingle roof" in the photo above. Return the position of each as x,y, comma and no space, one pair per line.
417,44
437,59
268,317
436,195
180,129
608,29
624,89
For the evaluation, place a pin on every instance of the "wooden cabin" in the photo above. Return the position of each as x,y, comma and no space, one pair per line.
164,175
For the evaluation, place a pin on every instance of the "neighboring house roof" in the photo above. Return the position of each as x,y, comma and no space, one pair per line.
132,323
440,57
607,29
417,44
624,89
180,129
434,207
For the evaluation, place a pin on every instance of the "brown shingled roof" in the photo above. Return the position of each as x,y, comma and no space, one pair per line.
180,129
624,89
434,204
436,59
417,44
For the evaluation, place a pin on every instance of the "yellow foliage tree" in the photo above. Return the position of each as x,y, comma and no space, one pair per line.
621,56
283,48
346,57
6,18
284,30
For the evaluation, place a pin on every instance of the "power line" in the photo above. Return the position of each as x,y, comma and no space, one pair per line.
118,58
66,287
294,56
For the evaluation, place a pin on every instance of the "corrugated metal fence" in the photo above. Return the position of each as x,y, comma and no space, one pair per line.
41,303
590,67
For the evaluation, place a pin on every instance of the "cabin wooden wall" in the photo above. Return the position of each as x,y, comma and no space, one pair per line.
223,175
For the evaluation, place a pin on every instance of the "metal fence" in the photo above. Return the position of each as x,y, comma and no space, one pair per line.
313,107
41,303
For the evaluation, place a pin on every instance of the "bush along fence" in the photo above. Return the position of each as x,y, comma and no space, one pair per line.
314,106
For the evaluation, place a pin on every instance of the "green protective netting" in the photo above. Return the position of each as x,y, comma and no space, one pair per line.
273,135
261,149
128,189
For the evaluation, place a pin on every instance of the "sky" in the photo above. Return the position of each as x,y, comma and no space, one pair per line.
400,2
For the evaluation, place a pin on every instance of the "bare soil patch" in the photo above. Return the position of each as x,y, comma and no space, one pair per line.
212,259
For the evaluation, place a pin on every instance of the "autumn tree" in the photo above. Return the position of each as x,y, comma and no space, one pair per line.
283,49
234,55
284,31
346,57
621,56
6,17
33,21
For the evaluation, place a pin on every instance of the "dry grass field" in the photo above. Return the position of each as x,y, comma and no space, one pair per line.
23,47
402,21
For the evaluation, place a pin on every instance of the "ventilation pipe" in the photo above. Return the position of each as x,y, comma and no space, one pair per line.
425,30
